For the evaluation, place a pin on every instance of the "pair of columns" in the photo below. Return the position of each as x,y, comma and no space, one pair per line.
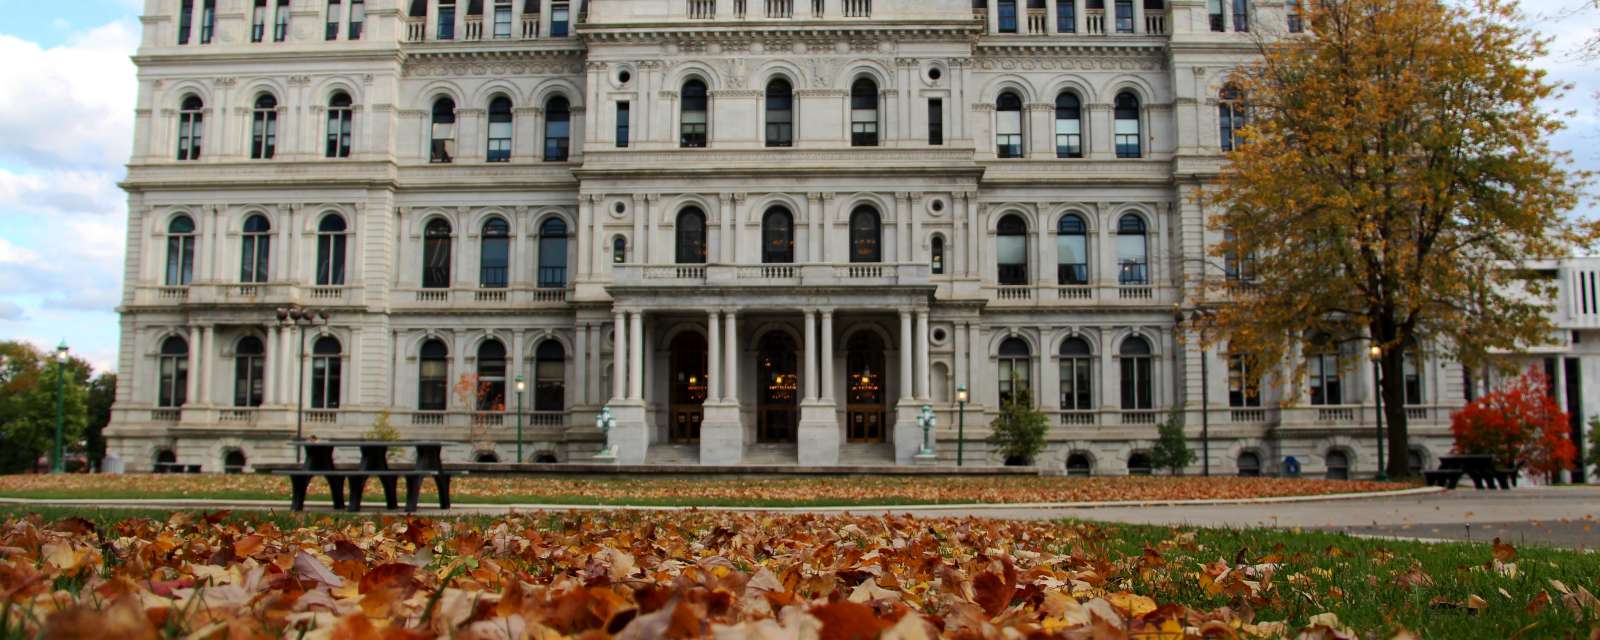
627,374
914,369
814,389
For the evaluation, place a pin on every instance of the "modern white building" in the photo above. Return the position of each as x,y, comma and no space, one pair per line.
759,231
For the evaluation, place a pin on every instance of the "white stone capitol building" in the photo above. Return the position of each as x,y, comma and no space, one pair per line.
759,231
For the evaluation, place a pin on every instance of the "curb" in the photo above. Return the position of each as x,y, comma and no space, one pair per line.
470,507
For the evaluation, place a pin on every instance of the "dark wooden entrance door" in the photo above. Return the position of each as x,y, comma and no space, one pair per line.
778,389
689,384
864,389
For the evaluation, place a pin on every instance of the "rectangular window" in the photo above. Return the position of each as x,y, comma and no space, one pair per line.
208,21
502,19
1244,382
1008,16
1296,24
358,18
185,21
258,21
280,28
1323,374
936,121
623,116
1124,16
447,21
334,15
1214,8
1066,16
1241,15
560,19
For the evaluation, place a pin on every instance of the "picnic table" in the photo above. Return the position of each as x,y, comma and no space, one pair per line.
319,461
1481,468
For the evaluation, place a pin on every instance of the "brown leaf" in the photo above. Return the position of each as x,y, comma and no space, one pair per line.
1504,552
845,620
1538,603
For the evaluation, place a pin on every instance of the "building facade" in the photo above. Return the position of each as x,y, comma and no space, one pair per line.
758,231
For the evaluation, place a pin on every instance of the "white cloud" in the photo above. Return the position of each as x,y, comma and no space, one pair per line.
69,106
11,312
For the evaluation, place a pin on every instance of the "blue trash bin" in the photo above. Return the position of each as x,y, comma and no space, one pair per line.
1291,467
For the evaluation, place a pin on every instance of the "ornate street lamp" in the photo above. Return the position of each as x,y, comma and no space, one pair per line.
604,422
961,422
60,465
927,421
521,385
301,318
1376,353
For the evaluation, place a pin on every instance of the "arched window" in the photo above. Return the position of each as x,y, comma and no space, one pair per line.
1416,460
550,377
264,128
864,113
191,127
1139,464
1008,16
1244,381
1078,466
1249,464
1136,361
255,249
691,231
1133,264
1069,126
1129,140
1072,251
494,258
491,376
619,250
341,123
1015,372
1008,126
180,251
936,246
433,372
866,235
1077,382
331,251
1338,465
249,372
234,462
172,389
557,129
1230,116
1011,254
780,113
1323,371
443,132
327,373
500,127
777,236
694,119
553,254
436,255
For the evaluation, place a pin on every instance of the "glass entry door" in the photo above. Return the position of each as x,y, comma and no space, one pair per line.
864,389
689,386
778,399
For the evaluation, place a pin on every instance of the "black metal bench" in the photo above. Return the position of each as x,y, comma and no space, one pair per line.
374,464
1447,478
1481,468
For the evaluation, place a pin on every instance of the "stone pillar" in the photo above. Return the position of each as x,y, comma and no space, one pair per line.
814,214
713,356
619,357
647,254
273,364
192,390
819,435
638,244
581,363
208,336
725,228
811,355
636,356
597,238
906,385
585,214
288,358
592,374
721,428
730,359
923,384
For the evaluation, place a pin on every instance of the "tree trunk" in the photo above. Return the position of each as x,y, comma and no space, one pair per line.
1397,447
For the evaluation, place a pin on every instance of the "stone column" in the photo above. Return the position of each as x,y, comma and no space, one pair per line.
827,355
713,356
581,362
923,381
648,255
811,354
273,364
730,355
638,244
208,335
288,357
619,357
819,434
725,229
597,391
907,386
192,385
814,222
636,356
585,214
597,237
722,428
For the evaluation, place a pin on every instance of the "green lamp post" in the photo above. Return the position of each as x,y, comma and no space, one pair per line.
60,465
521,385
961,422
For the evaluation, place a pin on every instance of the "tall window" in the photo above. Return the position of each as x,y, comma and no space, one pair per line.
335,11
436,255
208,20
557,129
560,19
180,251
935,121
500,127
502,19
447,20
1011,250
1230,117
936,246
172,388
1015,371
550,377
341,123
1244,381
258,21
1008,126
1066,16
264,128
1133,251
185,21
1296,20
494,259
866,235
358,18
491,376
691,233
191,127
1236,267
553,254
1077,366
1136,364
1322,371
864,113
1412,370
1214,9
330,251
1008,16
624,116
1129,139
327,373
1072,251
619,250
1124,9
249,372
1241,15
255,250
1069,126
780,113
433,372
280,25
777,236
443,133
692,127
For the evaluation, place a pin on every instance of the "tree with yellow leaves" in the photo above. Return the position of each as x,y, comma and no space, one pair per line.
1393,180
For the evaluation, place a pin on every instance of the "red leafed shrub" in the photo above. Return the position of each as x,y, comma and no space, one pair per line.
1517,423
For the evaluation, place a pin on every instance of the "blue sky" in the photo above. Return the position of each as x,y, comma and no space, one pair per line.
66,115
